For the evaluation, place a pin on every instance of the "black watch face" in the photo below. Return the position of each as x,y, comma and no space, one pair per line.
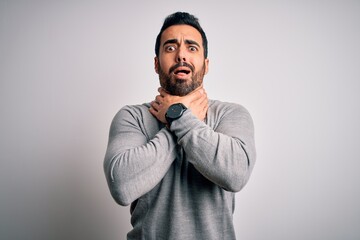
174,111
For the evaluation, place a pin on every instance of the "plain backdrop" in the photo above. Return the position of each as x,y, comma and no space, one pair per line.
67,67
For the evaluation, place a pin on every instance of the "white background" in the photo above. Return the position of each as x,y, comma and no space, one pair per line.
66,68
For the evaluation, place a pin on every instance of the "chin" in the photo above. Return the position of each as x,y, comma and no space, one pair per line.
181,80
179,86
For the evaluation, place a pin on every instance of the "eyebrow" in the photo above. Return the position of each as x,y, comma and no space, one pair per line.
187,41
192,42
170,41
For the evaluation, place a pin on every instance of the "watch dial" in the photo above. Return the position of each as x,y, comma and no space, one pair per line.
174,111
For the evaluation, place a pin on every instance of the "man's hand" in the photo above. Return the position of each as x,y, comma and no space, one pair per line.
197,101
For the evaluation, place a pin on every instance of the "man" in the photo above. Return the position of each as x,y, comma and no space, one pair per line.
180,159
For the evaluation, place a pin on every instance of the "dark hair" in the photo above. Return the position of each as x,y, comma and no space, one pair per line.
180,18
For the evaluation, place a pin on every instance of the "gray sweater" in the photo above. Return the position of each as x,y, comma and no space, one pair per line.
180,182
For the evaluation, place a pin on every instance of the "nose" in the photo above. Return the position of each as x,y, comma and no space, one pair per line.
181,54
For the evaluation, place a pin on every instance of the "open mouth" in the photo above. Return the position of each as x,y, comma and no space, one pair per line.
181,71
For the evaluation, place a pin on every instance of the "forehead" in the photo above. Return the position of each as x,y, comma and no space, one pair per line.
181,32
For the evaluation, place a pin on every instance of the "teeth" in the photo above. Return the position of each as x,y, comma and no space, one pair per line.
182,71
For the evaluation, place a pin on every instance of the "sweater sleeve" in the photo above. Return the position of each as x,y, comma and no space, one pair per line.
224,154
133,163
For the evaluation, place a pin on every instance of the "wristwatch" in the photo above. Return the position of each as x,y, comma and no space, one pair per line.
174,112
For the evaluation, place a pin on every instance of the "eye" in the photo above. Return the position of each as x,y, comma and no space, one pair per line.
170,48
193,48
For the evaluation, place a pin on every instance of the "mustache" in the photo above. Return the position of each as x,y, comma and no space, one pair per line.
181,64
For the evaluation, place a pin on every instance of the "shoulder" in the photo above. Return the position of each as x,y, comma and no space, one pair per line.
133,110
133,113
219,107
222,115
136,117
138,108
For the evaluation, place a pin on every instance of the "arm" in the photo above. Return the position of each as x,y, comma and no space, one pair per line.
225,155
134,164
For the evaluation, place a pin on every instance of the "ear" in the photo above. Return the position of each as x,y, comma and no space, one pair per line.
206,65
156,64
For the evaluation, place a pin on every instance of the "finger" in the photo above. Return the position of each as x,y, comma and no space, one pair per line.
159,99
204,95
197,95
204,105
152,111
162,91
155,105
193,96
204,100
199,87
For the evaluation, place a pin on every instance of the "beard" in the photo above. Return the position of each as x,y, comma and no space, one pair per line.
180,87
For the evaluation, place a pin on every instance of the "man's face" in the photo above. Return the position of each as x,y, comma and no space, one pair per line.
181,64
